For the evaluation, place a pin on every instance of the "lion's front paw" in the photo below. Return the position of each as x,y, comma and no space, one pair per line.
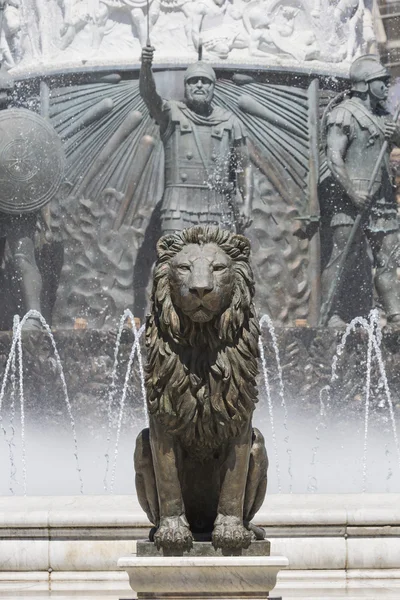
230,534
173,535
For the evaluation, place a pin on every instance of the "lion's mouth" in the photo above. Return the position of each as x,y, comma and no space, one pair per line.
200,314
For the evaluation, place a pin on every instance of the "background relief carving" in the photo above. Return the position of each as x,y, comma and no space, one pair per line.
45,33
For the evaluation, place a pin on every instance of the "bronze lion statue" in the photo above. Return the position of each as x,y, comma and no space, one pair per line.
201,468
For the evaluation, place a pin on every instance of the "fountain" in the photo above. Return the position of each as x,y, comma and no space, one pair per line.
84,202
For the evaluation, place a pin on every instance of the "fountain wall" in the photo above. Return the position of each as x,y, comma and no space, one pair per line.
77,65
317,441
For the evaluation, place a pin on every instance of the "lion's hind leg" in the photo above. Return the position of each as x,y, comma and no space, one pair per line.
146,487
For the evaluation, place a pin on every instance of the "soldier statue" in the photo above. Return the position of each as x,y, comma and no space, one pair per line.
356,129
31,167
206,156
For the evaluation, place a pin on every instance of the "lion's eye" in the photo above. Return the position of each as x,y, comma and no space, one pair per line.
184,267
219,267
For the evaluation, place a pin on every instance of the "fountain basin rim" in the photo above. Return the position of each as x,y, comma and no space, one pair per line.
290,511
97,67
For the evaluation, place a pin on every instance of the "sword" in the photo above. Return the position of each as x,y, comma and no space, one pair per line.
335,287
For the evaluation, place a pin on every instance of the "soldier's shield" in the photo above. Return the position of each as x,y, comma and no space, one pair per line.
32,161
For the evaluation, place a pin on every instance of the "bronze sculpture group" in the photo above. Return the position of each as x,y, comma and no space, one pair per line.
200,467
209,180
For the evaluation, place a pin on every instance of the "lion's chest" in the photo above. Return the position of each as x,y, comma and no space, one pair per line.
200,403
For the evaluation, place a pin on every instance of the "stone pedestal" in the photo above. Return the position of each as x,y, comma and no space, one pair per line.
203,577
202,548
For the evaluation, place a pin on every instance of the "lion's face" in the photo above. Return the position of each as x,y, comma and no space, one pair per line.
201,281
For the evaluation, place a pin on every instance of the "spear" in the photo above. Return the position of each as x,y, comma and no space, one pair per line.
335,287
148,24
2,7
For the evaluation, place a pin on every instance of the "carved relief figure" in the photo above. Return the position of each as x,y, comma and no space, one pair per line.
327,30
206,156
344,29
138,12
201,467
215,23
10,40
77,15
234,18
354,28
281,29
356,130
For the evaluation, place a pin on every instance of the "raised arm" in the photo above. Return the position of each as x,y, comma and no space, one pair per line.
147,87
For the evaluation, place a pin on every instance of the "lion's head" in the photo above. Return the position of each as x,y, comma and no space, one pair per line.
203,275
202,336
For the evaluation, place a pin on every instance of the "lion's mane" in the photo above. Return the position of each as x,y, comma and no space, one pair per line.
200,377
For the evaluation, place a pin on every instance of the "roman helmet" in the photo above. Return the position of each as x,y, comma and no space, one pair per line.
200,69
365,69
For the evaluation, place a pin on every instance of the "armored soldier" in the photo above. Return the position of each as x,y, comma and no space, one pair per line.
356,131
31,164
206,155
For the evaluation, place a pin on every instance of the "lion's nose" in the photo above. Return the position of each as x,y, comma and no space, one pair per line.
201,290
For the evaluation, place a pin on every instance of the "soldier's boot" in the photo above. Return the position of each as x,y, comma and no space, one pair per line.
336,322
389,292
388,288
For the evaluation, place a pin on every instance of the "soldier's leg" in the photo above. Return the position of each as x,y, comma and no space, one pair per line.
340,236
386,250
21,243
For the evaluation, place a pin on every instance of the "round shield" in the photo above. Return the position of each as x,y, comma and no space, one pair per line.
31,161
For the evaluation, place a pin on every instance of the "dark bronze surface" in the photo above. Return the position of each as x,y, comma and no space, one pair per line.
201,467
360,134
257,548
207,163
31,161
109,222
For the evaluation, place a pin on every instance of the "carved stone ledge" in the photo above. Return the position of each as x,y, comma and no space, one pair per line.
190,578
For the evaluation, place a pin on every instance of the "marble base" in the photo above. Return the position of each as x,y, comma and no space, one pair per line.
205,577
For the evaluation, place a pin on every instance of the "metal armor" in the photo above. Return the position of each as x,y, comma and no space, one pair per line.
197,156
